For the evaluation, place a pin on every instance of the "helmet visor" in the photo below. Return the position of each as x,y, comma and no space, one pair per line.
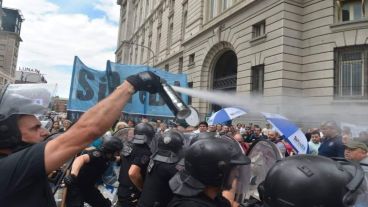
126,134
263,155
238,183
31,99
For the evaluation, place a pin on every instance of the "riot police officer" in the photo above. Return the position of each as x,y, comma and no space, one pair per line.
309,180
87,169
211,166
162,167
25,160
134,165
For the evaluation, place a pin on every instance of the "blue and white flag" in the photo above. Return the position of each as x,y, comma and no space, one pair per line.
88,86
293,135
154,105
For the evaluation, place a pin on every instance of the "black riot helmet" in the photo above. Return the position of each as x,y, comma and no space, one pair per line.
307,180
210,160
169,146
17,100
111,144
201,135
172,140
143,133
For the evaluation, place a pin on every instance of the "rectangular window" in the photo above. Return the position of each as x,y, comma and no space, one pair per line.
136,55
147,7
190,85
142,54
351,72
212,9
184,20
149,46
159,18
191,59
167,67
172,5
158,42
140,15
226,4
135,17
180,69
349,10
2,60
131,55
170,33
259,29
257,80
142,47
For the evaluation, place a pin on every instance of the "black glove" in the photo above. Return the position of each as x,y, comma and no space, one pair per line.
70,180
145,81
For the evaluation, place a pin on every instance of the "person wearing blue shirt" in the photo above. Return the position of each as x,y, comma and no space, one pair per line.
332,145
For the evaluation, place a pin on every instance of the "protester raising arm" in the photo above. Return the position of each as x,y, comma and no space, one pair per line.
97,120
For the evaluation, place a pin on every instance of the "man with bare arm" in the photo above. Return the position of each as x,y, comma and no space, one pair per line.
26,160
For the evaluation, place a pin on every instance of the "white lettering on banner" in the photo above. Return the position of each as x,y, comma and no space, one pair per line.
299,141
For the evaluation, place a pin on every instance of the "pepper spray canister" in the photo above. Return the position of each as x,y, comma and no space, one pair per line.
173,101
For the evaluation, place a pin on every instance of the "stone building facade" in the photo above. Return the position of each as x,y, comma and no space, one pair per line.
313,52
11,20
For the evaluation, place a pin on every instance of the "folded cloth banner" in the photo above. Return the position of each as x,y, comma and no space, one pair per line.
292,133
154,105
88,86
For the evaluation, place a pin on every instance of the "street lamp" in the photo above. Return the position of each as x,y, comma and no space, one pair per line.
132,43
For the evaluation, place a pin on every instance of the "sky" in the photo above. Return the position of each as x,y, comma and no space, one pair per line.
54,31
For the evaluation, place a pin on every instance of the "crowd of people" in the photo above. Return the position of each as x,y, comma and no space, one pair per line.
167,164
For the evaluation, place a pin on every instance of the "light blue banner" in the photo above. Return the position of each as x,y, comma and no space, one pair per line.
154,105
88,86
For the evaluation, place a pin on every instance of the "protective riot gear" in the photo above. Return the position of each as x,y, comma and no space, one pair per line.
70,180
111,144
127,135
211,160
143,133
293,182
169,148
263,155
161,168
202,135
171,140
20,99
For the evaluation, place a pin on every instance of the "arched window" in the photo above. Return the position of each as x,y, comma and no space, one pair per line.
224,74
